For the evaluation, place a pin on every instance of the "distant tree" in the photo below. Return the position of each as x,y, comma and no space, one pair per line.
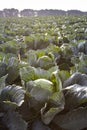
1,14
14,12
47,12
27,12
75,12
11,12
51,12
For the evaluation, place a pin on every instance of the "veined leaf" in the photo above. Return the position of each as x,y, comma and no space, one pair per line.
48,116
75,95
32,58
41,89
12,70
76,78
29,73
45,62
12,96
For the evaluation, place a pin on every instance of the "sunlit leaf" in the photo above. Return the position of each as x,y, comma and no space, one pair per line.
76,78
75,95
45,62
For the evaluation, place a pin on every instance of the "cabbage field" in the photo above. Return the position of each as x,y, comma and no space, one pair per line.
43,73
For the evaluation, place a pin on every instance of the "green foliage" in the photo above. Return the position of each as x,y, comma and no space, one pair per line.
43,73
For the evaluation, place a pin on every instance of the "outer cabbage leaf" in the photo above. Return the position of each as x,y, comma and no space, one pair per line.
66,50
82,66
3,68
55,50
56,80
14,121
41,73
56,100
82,46
45,62
12,97
10,47
64,75
2,82
76,78
80,63
41,89
38,125
75,95
27,73
48,116
73,120
32,58
31,73
12,70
